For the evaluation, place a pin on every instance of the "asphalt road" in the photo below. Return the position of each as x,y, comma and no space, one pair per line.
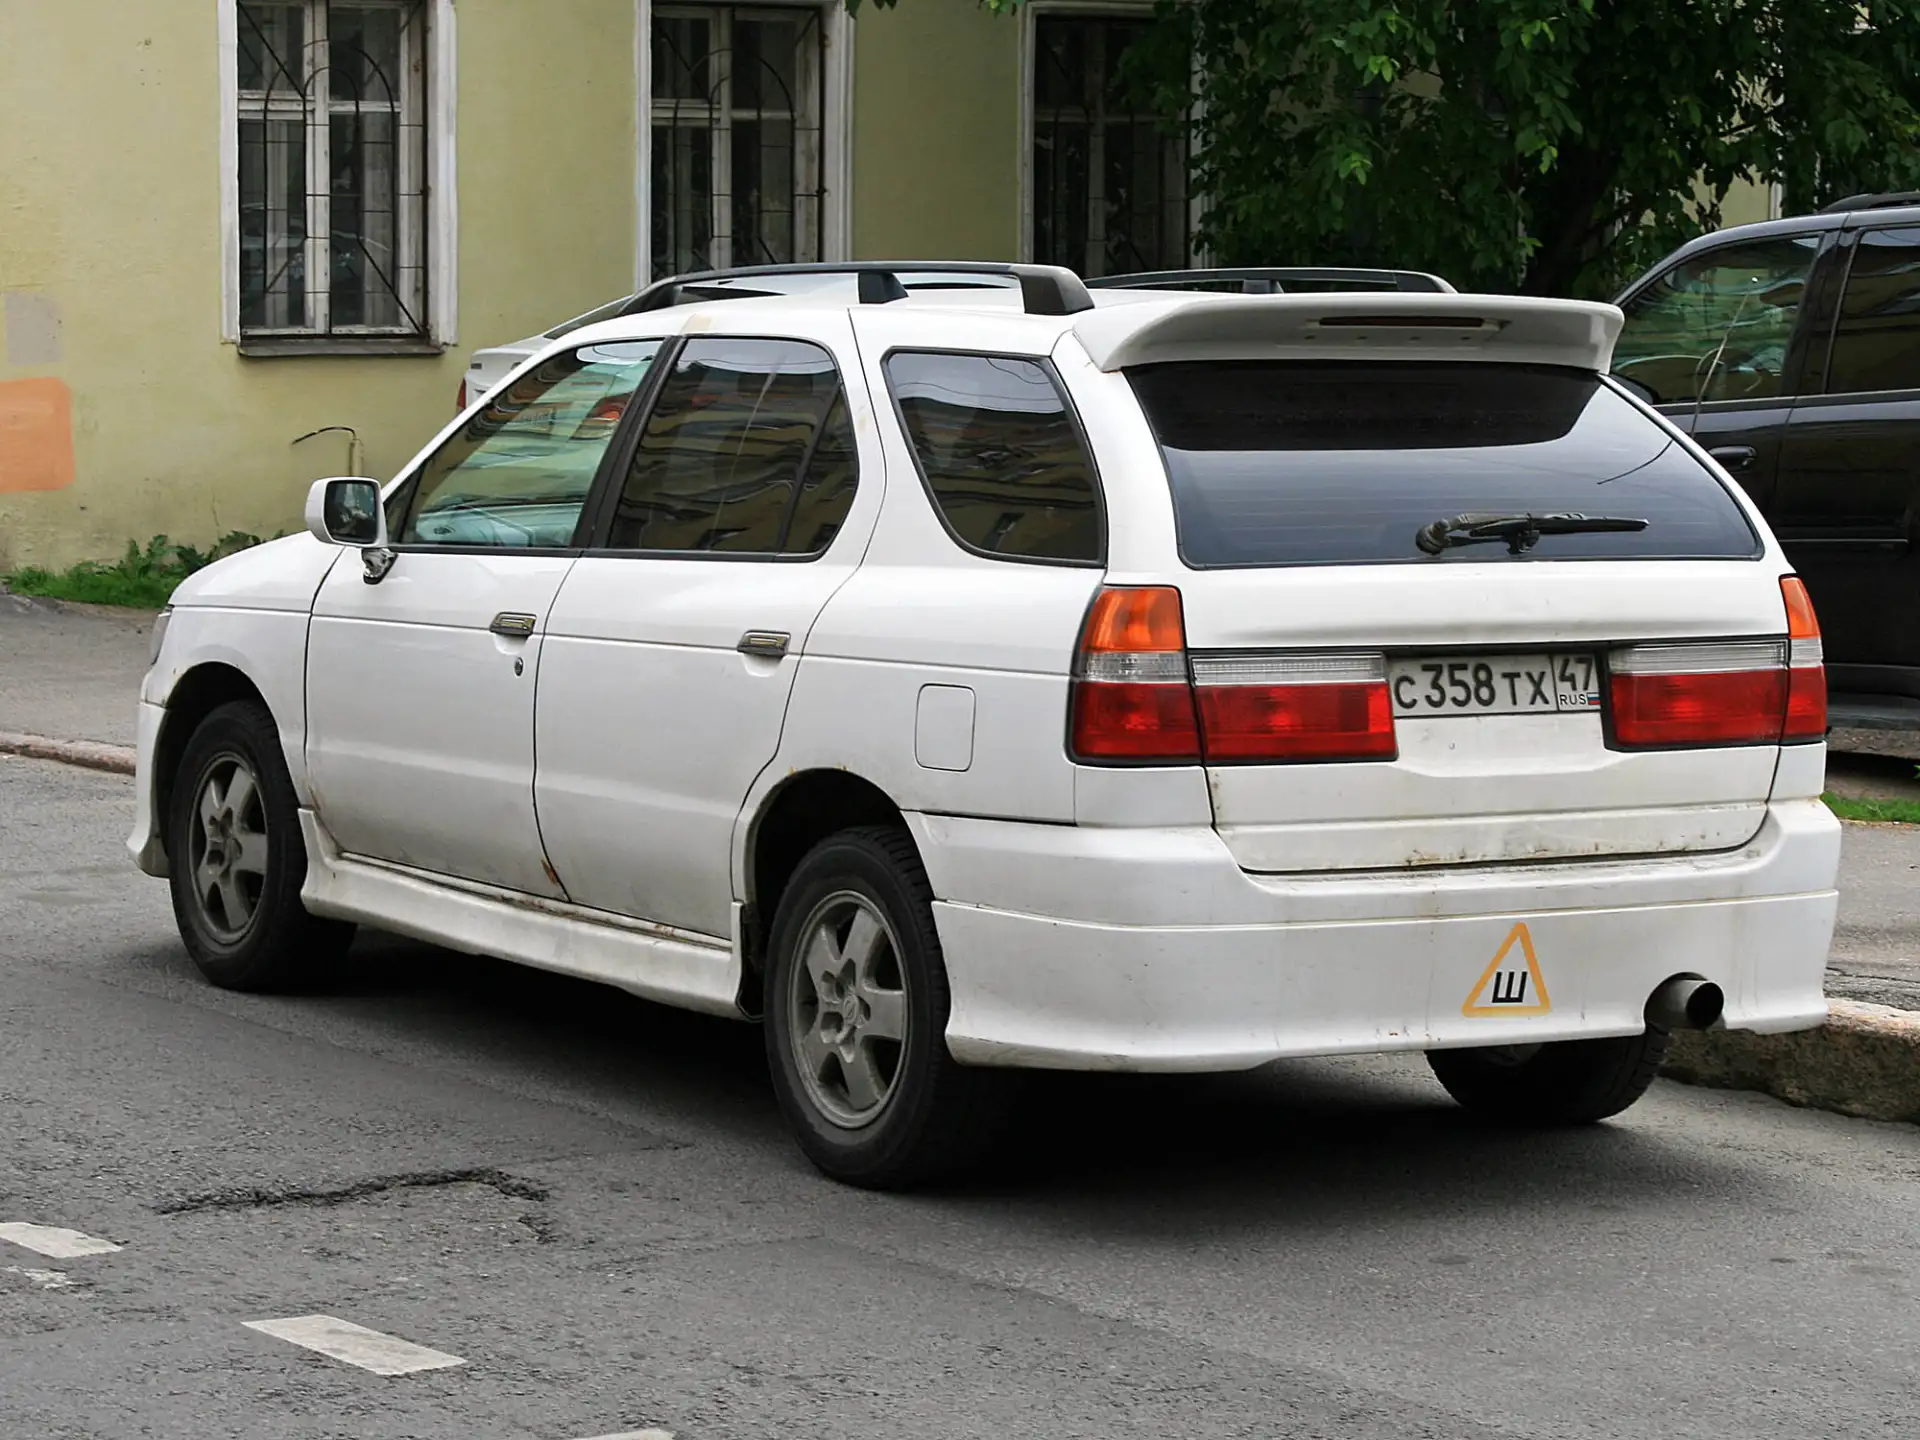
589,1201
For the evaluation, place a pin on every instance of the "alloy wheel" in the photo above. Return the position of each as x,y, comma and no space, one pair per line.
847,1004
228,846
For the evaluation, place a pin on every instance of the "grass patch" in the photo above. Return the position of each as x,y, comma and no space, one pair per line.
1898,812
140,579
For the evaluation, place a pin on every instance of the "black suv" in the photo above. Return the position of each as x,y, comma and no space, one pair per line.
1791,351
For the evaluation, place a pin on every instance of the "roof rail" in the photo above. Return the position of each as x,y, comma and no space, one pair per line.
1044,289
1872,202
1274,279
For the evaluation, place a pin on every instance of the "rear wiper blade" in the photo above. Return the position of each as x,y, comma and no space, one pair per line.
1521,532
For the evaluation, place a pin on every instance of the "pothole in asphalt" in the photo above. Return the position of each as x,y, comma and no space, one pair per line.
249,1197
447,1214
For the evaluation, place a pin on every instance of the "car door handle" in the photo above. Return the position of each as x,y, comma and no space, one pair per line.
767,644
1735,457
514,626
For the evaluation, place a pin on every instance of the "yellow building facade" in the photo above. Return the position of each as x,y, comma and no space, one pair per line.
245,245
136,398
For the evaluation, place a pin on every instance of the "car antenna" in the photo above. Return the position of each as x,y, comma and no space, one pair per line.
1700,395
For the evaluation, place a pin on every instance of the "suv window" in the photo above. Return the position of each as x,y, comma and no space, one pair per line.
1877,344
749,450
1305,463
517,473
1716,327
1000,454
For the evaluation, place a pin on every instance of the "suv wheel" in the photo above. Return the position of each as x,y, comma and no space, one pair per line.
1569,1082
237,859
857,1006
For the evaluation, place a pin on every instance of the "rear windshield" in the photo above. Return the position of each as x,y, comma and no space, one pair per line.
1318,463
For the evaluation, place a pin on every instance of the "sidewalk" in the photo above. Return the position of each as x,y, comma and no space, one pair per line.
72,672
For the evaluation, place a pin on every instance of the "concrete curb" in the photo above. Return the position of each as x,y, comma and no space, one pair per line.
91,754
1865,1061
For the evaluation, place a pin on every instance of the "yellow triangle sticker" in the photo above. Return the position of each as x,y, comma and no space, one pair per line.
1511,984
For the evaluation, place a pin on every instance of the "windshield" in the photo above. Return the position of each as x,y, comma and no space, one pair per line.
1317,463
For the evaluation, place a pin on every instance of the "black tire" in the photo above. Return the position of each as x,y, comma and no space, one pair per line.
1570,1082
937,1117
271,943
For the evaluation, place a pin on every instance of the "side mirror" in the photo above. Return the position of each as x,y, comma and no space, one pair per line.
348,511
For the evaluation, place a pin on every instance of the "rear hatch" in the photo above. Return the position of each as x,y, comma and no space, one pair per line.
1552,696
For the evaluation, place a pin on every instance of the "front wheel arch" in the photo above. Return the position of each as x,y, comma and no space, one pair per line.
196,695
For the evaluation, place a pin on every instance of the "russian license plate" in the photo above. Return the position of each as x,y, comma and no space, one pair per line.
1494,684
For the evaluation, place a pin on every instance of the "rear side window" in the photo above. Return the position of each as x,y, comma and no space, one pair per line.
1304,463
749,450
1877,343
1000,453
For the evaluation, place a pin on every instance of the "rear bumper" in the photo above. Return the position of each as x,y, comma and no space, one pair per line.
1072,947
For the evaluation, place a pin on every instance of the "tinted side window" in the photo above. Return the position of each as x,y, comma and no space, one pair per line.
1877,344
1326,463
747,451
518,471
1000,453
1717,326
826,490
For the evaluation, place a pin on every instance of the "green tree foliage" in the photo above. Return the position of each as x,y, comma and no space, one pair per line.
1547,146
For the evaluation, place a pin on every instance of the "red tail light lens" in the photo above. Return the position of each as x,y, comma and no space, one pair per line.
1131,698
1133,720
1736,692
1807,672
1306,707
461,404
1697,707
1137,695
1723,693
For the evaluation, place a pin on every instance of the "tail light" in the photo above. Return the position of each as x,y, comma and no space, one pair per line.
1735,692
1807,666
1131,696
461,404
1138,696
1295,707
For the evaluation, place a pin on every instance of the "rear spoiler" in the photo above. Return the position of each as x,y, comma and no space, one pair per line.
1384,326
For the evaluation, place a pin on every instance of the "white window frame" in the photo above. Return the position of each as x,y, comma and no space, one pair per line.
836,124
1029,47
439,209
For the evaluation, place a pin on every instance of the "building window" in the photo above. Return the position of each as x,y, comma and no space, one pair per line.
332,161
736,137
1109,176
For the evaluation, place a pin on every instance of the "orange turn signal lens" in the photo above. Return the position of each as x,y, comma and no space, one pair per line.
1802,623
1132,619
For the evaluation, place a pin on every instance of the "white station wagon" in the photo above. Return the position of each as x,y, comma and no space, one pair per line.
1035,677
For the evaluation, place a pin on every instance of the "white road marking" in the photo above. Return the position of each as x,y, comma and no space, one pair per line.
53,1242
638,1435
355,1344
45,1279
